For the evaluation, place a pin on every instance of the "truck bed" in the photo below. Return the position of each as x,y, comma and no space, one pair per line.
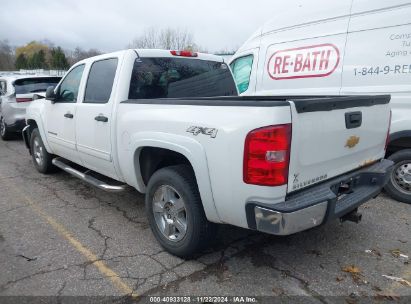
308,103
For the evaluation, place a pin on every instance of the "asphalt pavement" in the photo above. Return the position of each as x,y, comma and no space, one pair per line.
61,239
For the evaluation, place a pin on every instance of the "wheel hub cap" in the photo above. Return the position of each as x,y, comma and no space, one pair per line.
401,177
170,213
38,152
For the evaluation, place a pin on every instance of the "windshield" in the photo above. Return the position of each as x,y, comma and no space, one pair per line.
179,78
34,85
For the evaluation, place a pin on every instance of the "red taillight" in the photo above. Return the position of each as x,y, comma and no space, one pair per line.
267,156
24,99
184,53
388,133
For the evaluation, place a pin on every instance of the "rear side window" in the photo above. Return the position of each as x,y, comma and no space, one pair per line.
241,68
34,85
179,78
100,81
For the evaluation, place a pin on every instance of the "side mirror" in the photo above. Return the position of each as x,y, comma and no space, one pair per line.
50,95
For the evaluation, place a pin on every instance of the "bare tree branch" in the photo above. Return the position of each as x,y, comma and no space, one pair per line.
167,38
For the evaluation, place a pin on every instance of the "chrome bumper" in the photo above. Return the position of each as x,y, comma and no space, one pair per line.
323,202
278,223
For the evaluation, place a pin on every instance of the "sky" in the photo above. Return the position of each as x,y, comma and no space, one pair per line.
112,25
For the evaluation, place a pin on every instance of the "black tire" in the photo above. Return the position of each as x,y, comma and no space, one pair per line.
199,231
44,166
393,188
5,134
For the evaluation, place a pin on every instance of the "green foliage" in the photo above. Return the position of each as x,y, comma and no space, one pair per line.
36,55
58,59
37,60
21,62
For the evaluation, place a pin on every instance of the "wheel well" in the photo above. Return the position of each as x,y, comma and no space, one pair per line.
152,159
398,144
32,123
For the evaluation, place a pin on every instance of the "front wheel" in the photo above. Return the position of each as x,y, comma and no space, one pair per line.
176,213
399,185
41,158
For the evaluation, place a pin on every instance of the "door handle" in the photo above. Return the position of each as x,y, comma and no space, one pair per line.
101,118
353,120
68,115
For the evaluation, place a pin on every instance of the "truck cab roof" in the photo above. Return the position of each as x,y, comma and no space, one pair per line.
157,53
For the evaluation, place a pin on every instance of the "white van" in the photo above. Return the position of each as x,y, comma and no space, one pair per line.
345,47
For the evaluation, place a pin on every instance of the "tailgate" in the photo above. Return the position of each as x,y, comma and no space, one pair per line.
335,135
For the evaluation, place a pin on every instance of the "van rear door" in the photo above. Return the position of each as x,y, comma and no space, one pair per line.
335,135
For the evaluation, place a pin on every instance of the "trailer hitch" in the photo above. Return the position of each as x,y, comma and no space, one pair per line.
353,216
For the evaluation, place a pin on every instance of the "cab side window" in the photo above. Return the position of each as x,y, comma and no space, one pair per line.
241,68
100,81
68,89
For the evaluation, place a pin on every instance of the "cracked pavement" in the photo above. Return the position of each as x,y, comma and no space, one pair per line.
37,260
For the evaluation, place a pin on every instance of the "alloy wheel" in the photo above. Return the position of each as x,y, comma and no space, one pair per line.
38,151
170,213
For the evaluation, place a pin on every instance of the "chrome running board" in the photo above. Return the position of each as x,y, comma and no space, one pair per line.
84,176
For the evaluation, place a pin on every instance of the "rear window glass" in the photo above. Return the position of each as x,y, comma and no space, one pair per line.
179,78
34,85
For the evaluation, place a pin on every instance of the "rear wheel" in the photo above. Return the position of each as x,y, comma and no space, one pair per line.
41,158
176,213
4,132
399,186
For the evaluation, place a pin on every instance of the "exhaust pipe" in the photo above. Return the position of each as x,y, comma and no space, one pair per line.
353,216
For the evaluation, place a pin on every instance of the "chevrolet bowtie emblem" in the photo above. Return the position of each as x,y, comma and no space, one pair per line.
352,142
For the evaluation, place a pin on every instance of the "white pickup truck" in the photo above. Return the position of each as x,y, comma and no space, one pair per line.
151,119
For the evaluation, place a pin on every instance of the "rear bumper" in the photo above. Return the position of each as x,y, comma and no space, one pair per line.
17,126
14,113
321,203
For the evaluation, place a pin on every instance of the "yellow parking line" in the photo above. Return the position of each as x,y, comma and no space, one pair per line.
90,256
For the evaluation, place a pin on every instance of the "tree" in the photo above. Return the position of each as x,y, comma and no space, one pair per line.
37,60
148,40
33,55
176,39
80,54
31,48
6,56
41,57
21,62
58,59
168,38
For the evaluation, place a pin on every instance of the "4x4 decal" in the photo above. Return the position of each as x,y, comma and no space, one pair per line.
195,130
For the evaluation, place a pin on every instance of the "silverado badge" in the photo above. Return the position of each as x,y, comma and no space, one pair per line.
352,142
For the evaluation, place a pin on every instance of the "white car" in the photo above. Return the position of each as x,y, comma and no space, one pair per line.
16,93
275,164
340,47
